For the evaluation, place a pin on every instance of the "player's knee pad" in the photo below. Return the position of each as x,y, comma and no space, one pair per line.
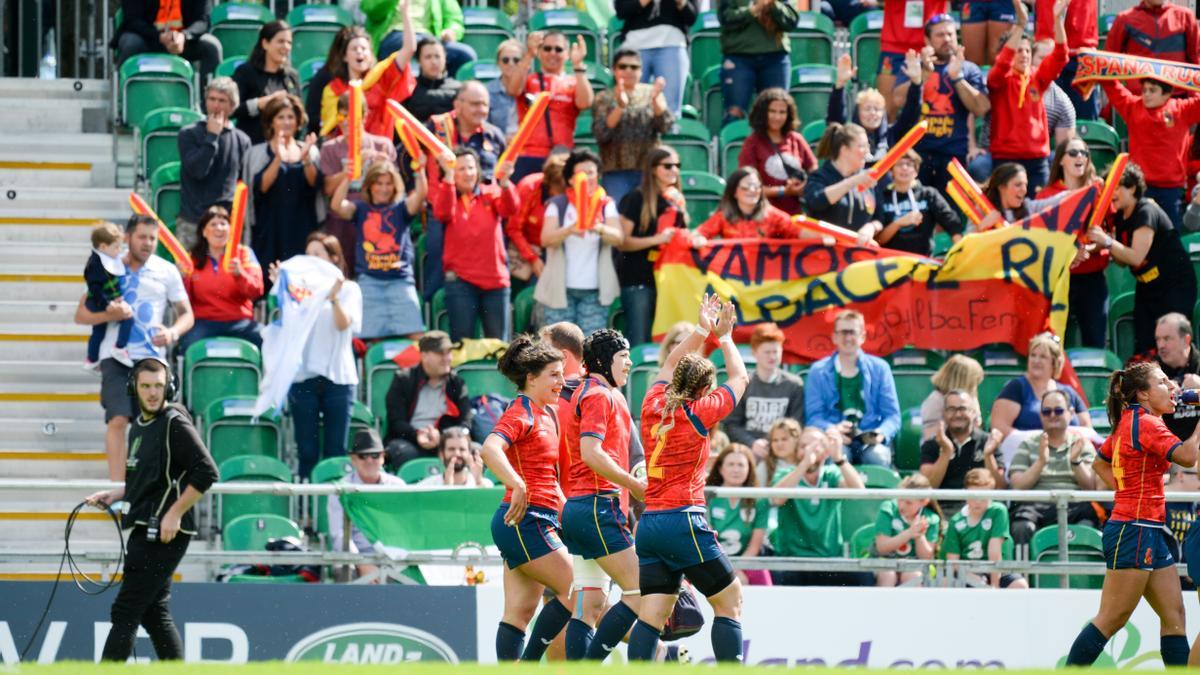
711,577
657,578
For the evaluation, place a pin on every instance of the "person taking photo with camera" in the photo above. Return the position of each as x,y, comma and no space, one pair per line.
167,473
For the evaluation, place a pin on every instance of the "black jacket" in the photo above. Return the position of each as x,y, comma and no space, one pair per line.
253,82
637,17
139,18
165,457
402,402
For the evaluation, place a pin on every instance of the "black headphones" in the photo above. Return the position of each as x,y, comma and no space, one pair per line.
131,381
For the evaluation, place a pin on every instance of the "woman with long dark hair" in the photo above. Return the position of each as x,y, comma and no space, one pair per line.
222,299
1008,189
391,78
744,211
1138,554
265,77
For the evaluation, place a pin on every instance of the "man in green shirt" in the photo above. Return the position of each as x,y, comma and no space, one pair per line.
442,19
979,531
812,528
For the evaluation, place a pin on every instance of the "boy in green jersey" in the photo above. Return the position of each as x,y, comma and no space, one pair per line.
907,528
979,531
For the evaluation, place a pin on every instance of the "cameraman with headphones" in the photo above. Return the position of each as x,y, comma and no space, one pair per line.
167,472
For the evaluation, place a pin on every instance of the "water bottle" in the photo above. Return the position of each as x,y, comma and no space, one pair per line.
1188,397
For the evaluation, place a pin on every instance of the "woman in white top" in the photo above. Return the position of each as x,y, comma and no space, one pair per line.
324,385
579,280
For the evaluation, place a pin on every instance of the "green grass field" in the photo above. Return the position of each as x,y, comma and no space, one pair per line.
266,668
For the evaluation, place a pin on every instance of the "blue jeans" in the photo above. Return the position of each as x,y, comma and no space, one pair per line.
1085,108
671,64
467,302
457,53
432,275
1171,201
743,76
315,403
637,303
246,329
583,309
617,184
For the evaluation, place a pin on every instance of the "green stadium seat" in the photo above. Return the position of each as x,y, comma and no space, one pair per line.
484,70
1093,366
571,22
732,138
942,243
1001,363
703,191
1084,544
1191,244
313,29
584,138
645,367
812,132
253,469
164,192
908,441
705,44
218,368
379,370
482,377
810,87
693,143
1119,281
812,39
616,315
228,66
862,540
865,30
1100,423
361,419
1103,142
1105,25
148,82
439,316
236,26
523,305
859,512
230,431
420,468
252,532
712,105
486,28
157,137
306,71
328,470
612,36
1120,325
911,369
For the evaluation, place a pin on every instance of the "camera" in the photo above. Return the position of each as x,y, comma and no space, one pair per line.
152,529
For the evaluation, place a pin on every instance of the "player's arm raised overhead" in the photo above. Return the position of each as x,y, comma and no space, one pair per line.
737,378
709,307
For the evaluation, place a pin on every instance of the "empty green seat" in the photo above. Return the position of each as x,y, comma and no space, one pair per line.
812,132
703,192
251,532
486,28
236,26
313,29
693,143
1103,142
732,138
482,377
485,70
229,66
810,88
164,192
253,469
908,441
307,71
712,105
147,82
865,30
230,430
812,39
328,470
1093,366
859,512
218,368
523,304
379,370
418,469
862,540
1084,544
1121,333
911,370
705,44
157,137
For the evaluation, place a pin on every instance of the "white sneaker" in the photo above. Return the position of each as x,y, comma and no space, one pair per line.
122,356
92,367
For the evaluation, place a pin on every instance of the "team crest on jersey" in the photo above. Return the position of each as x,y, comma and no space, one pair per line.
960,525
987,523
897,524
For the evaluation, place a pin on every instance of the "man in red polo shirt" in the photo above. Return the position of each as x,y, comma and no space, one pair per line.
1158,29
1082,24
569,95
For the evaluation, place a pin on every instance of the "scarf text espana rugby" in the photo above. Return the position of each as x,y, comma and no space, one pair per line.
1095,65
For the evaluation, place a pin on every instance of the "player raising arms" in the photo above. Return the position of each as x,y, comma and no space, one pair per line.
596,432
673,537
1137,545
522,451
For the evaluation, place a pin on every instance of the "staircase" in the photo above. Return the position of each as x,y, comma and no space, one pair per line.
56,181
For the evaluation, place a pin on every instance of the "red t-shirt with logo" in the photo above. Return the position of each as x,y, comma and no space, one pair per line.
562,113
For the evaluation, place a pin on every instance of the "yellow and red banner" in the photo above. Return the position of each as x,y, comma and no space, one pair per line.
1001,286
1095,65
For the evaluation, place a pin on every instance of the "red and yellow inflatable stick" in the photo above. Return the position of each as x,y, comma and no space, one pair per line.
824,229
1104,201
906,143
165,236
964,203
411,146
237,221
354,130
532,118
424,136
586,201
970,189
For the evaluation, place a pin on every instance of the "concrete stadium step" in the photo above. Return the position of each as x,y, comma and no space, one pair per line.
80,389
46,257
46,408
24,526
39,311
57,159
18,346
56,374
55,115
55,288
53,432
70,465
65,203
24,89
47,232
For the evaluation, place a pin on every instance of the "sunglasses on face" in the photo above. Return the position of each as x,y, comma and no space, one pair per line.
670,165
1076,152
553,48
629,66
510,59
1055,412
369,455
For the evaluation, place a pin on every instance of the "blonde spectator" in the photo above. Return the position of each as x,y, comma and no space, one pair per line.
740,524
785,442
1018,405
958,372
674,336
907,528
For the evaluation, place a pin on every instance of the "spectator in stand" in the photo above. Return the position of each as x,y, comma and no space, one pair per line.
1008,189
424,401
838,191
1158,29
979,531
678,333
852,393
658,30
959,446
1018,405
211,153
570,94
265,77
534,192
152,284
1020,132
903,24
1148,244
1191,217
1060,108
384,258
754,49
870,105
812,528
984,24
910,212
953,89
440,19
285,203
744,212
1071,168
1082,26
503,111
1158,132
740,524
1180,361
222,299
477,282
777,150
460,461
366,460
789,442
435,89
334,164
102,273
628,121
579,281
335,60
647,224
1056,459
322,394
906,528
772,393
958,372
381,80
178,28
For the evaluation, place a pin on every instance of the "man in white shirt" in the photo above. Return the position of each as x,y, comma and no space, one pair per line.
460,461
366,458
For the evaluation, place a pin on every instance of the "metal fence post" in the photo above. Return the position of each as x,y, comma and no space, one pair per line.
1060,501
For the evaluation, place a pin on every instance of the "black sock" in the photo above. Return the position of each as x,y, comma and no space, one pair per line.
611,631
549,624
510,640
643,642
727,639
579,639
1087,646
1174,650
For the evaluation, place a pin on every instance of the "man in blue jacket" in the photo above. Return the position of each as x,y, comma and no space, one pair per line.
854,393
